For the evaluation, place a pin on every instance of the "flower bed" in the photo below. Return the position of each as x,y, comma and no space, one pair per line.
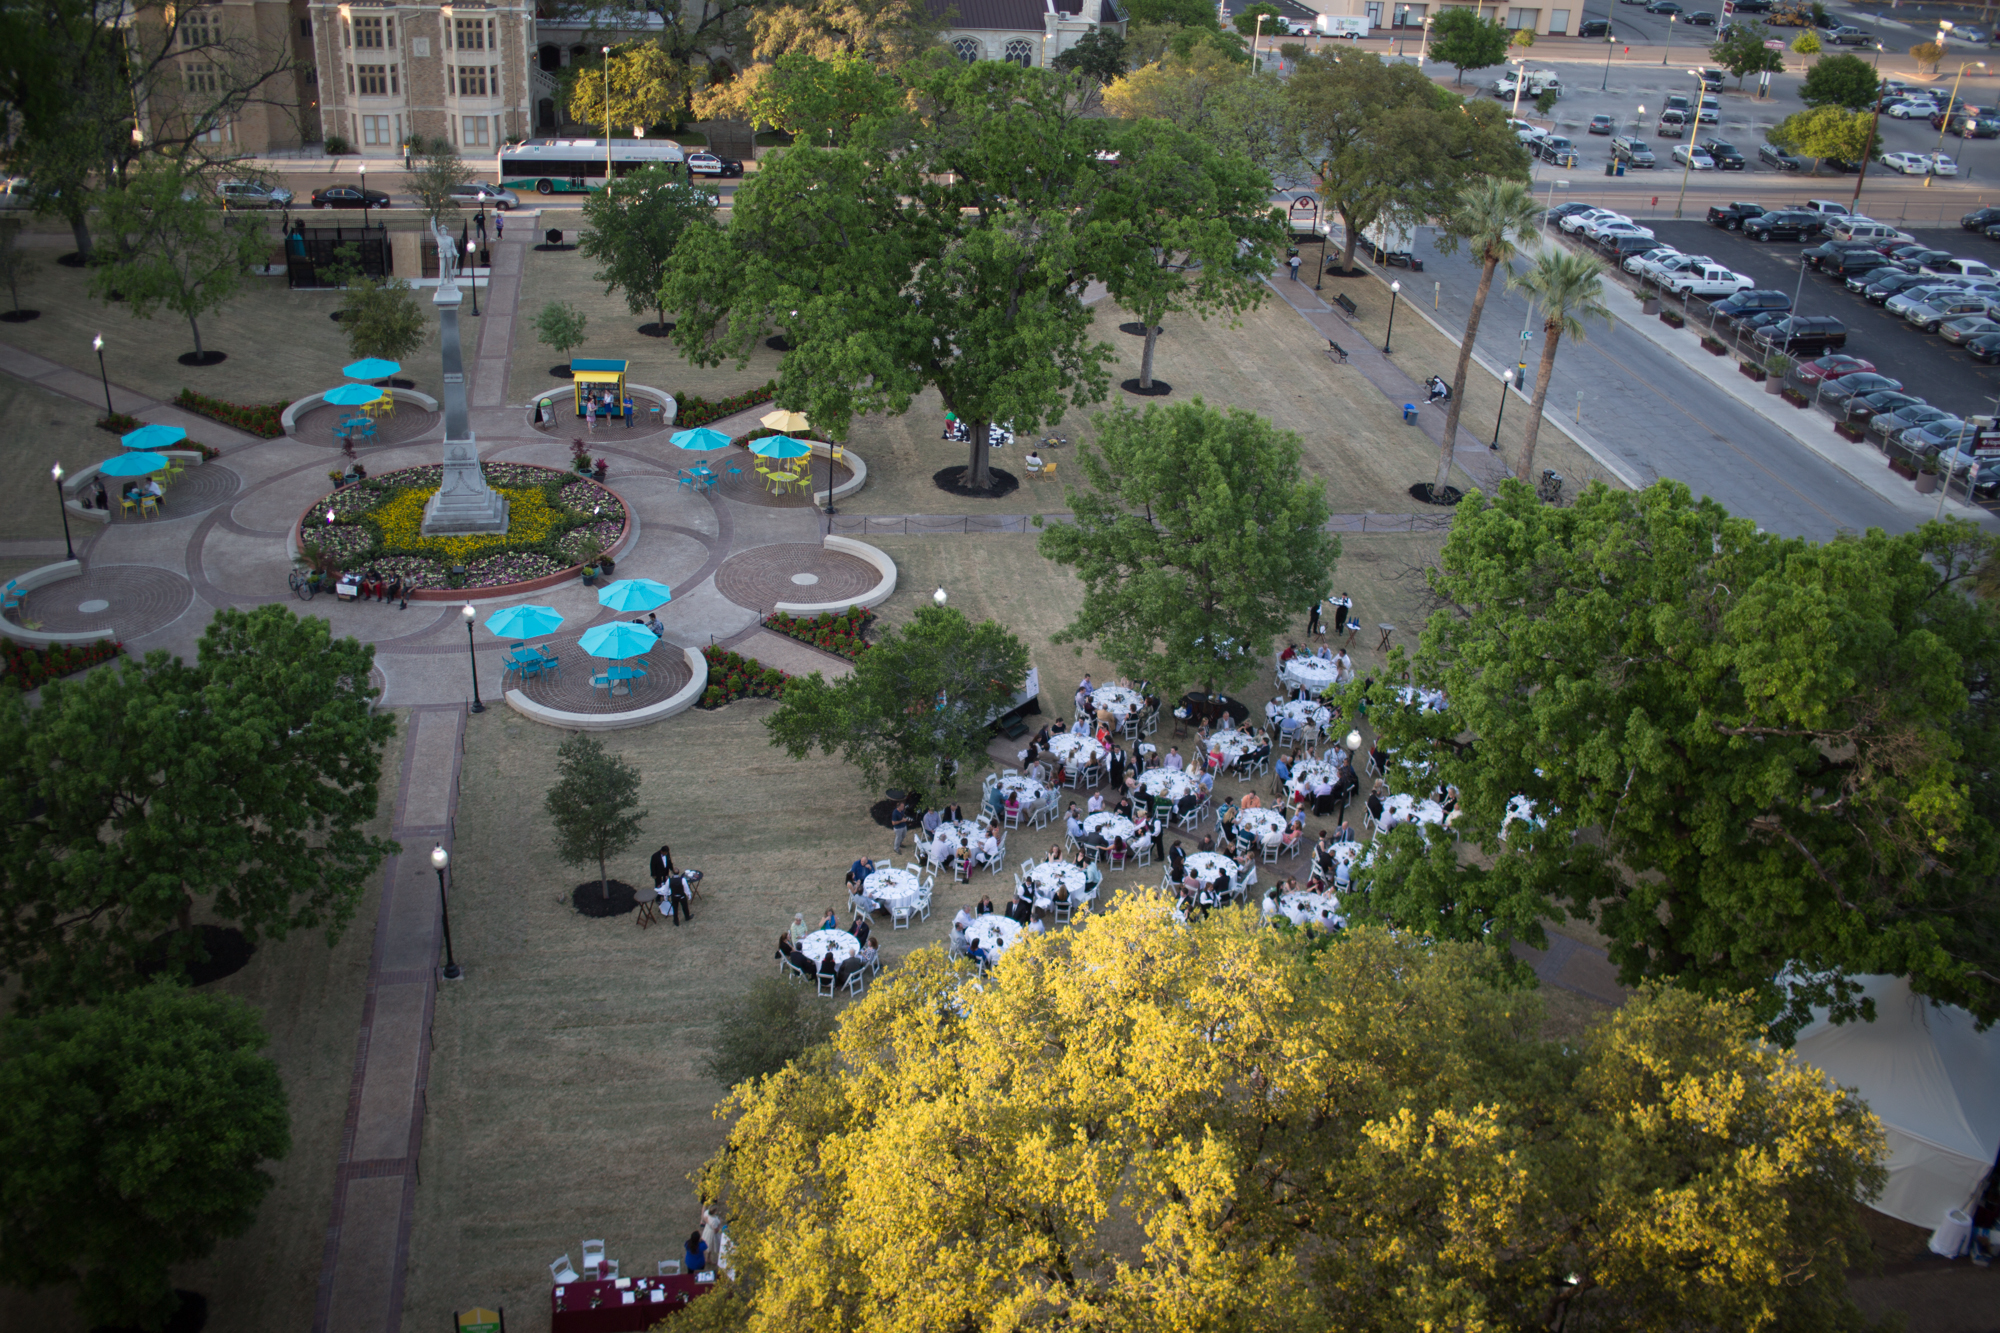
378,523
28,667
842,634
732,676
255,419
698,411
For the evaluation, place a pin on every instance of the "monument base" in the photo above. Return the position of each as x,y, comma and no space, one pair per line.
465,514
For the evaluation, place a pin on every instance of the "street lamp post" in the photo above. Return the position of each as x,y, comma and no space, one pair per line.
1394,289
471,264
57,472
1610,45
1424,51
441,858
607,116
1874,120
1945,123
1506,382
1255,38
98,344
472,655
1670,38
1639,120
1688,147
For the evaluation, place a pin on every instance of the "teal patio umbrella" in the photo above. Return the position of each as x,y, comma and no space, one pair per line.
154,436
700,440
619,640
132,465
524,622
352,395
779,446
634,595
371,368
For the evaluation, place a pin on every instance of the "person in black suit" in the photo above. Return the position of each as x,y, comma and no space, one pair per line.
1375,803
1177,859
661,865
827,967
677,894
1117,767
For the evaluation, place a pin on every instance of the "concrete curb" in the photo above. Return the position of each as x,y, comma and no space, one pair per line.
682,700
76,482
289,418
875,596
37,578
846,488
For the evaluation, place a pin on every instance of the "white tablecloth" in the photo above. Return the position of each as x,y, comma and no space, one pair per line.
1117,698
1076,751
893,888
1043,881
1521,808
1306,775
1430,700
993,933
1403,807
967,831
1205,866
1030,792
1171,783
1110,824
1300,710
1319,909
1309,673
1233,744
839,943
1261,823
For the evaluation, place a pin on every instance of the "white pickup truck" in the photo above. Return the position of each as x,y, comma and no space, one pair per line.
1708,281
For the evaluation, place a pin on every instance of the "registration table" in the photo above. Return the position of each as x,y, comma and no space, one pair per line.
621,1305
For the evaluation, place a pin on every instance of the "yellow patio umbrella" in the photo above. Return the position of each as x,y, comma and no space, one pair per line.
786,421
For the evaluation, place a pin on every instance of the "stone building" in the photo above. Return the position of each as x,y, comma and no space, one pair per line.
224,40
459,71
1025,32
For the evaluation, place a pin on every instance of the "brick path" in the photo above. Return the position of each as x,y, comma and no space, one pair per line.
795,572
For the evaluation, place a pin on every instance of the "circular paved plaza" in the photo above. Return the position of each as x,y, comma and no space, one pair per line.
793,572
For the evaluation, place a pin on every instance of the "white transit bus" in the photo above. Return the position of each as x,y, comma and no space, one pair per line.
576,166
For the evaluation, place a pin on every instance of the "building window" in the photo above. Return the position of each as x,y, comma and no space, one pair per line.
1558,22
374,80
472,80
966,49
1523,18
375,131
201,78
220,132
474,135
375,34
197,28
1020,52
305,28
476,34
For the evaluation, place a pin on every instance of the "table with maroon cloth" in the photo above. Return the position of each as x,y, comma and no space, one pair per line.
571,1312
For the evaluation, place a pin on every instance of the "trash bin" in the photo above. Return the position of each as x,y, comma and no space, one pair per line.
553,236
1611,168
1621,168
1409,411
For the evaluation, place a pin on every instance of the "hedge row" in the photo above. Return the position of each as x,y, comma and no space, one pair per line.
257,419
28,667
842,633
698,411
732,676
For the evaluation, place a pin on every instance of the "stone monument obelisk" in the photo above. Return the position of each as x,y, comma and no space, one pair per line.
464,503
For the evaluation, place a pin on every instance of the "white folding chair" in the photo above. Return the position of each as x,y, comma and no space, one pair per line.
668,1268
593,1257
899,917
1010,818
924,903
825,986
857,981
1270,851
1143,853
560,1273
1059,912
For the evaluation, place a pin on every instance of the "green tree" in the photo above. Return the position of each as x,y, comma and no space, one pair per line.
764,1029
382,317
1927,55
134,1140
1842,81
559,325
1099,54
1245,19
810,98
915,711
172,251
1462,39
1823,132
947,248
240,787
1490,219
886,33
1753,756
1201,235
438,173
1198,539
14,261
633,226
1390,146
1180,13
1741,51
1806,44
592,805
1569,289
1144,1120
649,86
1218,99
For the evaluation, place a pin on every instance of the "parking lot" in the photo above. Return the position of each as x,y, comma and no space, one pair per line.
1931,367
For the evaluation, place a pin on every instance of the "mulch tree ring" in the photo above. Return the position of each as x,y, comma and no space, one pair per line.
227,948
881,811
74,259
651,330
951,480
208,358
1447,496
1336,271
19,316
189,1316
1138,330
560,372
778,344
589,899
1159,389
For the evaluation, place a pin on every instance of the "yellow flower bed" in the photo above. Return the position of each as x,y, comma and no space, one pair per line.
529,521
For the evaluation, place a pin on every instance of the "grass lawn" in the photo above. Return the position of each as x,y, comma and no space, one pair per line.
281,344
43,428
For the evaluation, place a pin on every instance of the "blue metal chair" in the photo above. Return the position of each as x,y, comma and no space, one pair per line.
550,662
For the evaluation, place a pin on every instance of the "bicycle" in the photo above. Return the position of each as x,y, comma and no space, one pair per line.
305,583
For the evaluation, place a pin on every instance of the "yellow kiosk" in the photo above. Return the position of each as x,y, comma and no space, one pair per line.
591,378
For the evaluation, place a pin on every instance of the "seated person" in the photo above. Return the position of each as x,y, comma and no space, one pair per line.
1375,803
869,955
1095,805
371,585
984,906
832,921
859,930
1207,843
857,874
1074,824
1011,807
1033,461
1252,801
862,904
989,849
848,969
392,588
1177,859
1124,807
827,966
977,954
1187,804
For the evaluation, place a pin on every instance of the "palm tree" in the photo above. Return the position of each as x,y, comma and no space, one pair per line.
1491,217
1569,288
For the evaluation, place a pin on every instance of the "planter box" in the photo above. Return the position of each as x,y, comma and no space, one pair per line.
1673,319
1714,348
1847,432
1795,399
1902,469
1649,305
1926,482
1752,372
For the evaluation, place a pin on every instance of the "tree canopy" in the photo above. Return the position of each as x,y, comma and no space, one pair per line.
382,317
592,805
1099,54
241,786
1140,1124
439,172
134,1140
649,85
1463,39
1845,81
917,705
1825,131
1220,100
1741,51
171,250
1198,539
1754,756
811,98
634,226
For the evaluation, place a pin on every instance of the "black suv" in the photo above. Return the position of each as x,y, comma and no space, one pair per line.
1725,155
1731,217
1980,219
1804,335
1789,224
1755,300
1595,28
1772,155
1828,253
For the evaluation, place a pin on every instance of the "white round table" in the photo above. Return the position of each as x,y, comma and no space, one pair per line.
1205,866
1233,744
1404,808
1309,673
1076,751
1043,880
1261,823
993,933
1166,783
894,889
1427,700
1315,909
820,943
1304,711
1121,701
1025,789
1521,808
1110,824
967,831
1306,775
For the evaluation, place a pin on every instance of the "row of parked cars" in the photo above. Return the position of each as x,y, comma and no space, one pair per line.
1882,408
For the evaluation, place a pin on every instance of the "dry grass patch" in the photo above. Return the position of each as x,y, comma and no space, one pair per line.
44,428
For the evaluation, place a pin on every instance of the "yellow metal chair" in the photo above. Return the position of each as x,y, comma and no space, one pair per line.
149,505
128,503
172,471
388,402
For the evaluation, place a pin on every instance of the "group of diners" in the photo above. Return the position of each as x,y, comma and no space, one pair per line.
822,952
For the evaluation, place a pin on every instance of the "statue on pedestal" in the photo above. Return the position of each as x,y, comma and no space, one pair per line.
464,503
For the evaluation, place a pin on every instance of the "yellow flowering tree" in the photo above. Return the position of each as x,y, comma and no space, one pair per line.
1141,1125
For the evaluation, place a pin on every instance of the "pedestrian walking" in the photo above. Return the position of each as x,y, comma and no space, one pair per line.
1312,620
1294,262
499,226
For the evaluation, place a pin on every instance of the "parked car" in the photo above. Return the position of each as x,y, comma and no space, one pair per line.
1913,108
1888,425
1620,246
1931,315
1695,158
1633,152
1635,264
1914,254
252,194
1790,224
14,192
1979,219
1958,268
1860,281
1724,153
1664,7
1773,156
1673,125
1601,125
1967,327
1557,149
1828,251
1871,405
348,196
1838,392
1568,210
1941,165
1678,102
1797,335
476,194
1732,216
1936,436
1854,263
1910,164
1576,221
1710,113
1846,36
1754,300
1975,126
1902,302
1986,347
708,164
1827,207
1711,79
1885,283
1675,265
1701,18
1833,366
1594,28
1709,281
1600,232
